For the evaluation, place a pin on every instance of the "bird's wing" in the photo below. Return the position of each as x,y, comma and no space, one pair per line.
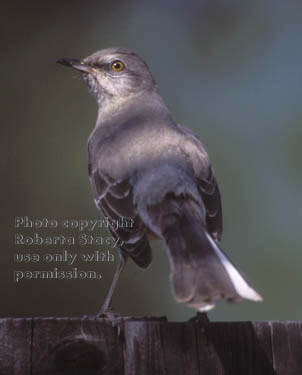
208,189
115,201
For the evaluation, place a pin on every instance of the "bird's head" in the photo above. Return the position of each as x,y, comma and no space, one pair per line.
113,73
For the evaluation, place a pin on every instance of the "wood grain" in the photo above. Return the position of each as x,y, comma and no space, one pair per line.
149,346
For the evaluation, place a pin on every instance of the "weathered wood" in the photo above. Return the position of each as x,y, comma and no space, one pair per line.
241,347
75,346
57,346
15,346
287,347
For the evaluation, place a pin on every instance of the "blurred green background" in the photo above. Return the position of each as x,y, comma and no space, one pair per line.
231,70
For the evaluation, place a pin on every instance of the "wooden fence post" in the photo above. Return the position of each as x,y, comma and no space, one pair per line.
149,346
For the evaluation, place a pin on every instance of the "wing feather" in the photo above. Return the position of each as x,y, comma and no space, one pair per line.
115,200
209,191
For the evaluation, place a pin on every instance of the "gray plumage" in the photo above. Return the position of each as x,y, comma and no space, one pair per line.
145,166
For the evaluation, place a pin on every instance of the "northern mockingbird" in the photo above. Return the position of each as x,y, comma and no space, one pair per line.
145,166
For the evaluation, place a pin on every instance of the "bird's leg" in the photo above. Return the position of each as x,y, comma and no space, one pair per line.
105,309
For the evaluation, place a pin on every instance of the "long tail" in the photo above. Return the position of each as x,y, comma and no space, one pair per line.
201,273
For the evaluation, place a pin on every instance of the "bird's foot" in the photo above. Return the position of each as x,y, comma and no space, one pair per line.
107,313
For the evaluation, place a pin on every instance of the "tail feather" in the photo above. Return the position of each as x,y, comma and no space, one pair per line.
201,273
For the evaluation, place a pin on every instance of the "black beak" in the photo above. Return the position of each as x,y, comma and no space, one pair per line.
75,64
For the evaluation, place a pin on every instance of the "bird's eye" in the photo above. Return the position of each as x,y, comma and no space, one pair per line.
117,66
